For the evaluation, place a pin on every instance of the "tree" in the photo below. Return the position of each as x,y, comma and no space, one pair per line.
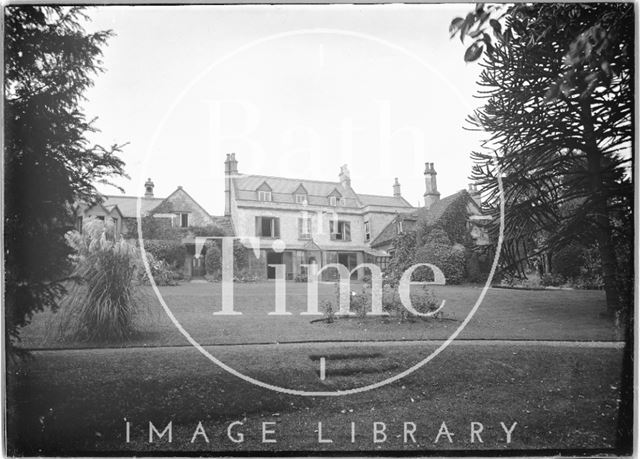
557,80
49,164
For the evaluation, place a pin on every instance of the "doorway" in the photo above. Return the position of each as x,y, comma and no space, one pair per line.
273,258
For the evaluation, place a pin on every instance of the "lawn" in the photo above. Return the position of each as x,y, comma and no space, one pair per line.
504,314
72,398
77,401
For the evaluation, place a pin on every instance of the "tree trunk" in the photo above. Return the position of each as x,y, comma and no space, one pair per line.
602,223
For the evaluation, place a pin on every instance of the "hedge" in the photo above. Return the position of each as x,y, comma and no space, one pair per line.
171,252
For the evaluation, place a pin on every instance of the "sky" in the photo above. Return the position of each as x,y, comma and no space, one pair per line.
292,90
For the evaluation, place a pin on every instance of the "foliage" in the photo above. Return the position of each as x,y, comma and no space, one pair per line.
50,61
245,275
552,280
437,236
473,268
153,228
161,272
557,80
104,299
450,260
162,229
450,227
423,301
173,253
208,230
213,260
329,313
403,247
568,261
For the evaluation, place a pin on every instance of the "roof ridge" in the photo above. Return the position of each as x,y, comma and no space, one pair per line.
289,178
130,197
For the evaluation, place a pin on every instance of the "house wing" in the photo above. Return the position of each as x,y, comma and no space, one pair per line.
181,201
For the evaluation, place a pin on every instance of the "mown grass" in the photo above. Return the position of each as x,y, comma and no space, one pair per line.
504,314
68,402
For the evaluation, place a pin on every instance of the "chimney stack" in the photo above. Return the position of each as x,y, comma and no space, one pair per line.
475,194
230,169
431,194
396,189
148,188
345,178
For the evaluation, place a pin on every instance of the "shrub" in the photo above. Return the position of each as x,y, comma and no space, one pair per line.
423,301
208,230
450,260
329,313
360,302
240,257
213,260
104,300
171,252
552,280
161,272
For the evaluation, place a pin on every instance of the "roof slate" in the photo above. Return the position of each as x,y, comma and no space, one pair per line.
284,189
128,205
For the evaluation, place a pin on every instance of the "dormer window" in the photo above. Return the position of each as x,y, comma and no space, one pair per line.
399,228
300,195
333,201
264,196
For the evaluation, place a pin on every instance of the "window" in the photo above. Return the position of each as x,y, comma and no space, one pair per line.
100,217
333,201
267,227
184,220
264,196
367,231
304,228
301,198
340,230
399,228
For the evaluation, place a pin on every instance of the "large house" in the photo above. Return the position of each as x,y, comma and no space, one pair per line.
320,222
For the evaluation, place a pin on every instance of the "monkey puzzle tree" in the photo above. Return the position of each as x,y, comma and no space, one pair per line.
49,163
558,81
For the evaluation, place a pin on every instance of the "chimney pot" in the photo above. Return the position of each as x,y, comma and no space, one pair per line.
148,188
396,188
345,176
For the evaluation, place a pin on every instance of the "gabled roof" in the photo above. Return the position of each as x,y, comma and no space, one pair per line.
283,189
128,205
264,187
301,190
166,206
430,216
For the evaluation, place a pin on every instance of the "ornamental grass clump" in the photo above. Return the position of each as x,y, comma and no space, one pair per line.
105,297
